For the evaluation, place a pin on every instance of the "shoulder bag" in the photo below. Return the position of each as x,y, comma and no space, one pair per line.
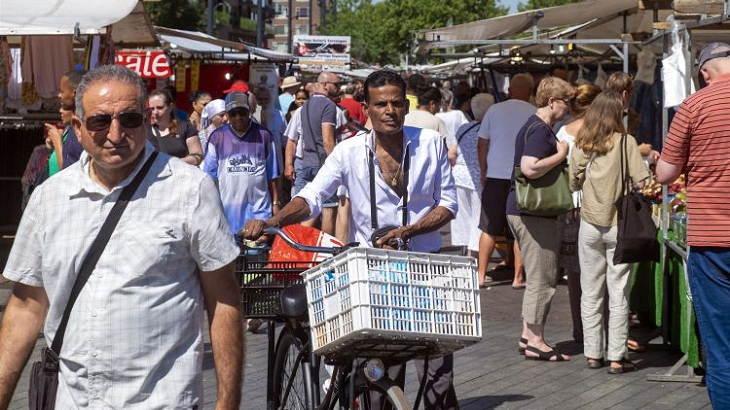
636,239
44,373
377,231
548,195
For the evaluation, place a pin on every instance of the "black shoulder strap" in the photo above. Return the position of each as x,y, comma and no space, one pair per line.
466,131
373,199
97,248
625,183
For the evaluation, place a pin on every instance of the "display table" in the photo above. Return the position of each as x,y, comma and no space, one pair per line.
660,292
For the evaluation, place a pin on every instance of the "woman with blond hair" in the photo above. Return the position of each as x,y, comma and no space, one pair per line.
584,96
537,151
595,167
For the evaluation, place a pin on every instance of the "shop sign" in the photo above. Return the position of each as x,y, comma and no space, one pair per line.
148,64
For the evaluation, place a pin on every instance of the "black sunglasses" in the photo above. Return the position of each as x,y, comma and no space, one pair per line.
102,122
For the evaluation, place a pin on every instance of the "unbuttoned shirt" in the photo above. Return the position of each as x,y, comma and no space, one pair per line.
430,184
134,339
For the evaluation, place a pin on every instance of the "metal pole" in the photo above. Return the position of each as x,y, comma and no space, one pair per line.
290,34
209,27
311,3
260,24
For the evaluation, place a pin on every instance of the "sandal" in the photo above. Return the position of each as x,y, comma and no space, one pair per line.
594,363
626,366
521,350
545,356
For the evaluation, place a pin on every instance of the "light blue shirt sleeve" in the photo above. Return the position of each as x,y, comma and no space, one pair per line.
211,156
325,184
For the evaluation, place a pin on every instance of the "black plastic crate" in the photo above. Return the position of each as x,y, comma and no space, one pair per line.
262,281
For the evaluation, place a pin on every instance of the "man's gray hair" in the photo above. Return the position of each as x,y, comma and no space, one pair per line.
108,73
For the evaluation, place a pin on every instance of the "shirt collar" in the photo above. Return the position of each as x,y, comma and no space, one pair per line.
370,139
88,185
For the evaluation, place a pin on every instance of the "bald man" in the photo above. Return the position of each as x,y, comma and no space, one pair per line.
496,147
318,118
697,144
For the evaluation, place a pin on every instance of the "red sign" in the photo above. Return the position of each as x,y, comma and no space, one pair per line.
148,64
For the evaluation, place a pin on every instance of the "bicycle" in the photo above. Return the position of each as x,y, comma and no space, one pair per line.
360,356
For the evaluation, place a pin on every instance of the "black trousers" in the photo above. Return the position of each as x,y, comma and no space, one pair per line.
438,391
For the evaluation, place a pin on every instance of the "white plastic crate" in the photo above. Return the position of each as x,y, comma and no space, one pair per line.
383,301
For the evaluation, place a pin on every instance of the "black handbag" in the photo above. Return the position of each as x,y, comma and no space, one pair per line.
636,240
44,373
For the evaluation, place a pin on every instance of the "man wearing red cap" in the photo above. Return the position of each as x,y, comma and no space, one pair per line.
239,86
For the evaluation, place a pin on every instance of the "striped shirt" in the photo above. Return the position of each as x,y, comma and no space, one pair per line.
699,139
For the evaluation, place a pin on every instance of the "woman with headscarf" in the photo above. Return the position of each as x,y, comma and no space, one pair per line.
213,116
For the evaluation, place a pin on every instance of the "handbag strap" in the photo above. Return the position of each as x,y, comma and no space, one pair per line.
625,178
97,248
466,131
373,201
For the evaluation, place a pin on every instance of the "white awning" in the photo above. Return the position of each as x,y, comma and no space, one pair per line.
48,17
188,43
510,25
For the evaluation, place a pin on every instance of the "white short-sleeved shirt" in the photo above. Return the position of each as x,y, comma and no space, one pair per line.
134,338
430,185
426,120
500,126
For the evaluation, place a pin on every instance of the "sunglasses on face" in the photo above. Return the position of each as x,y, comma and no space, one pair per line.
102,122
239,111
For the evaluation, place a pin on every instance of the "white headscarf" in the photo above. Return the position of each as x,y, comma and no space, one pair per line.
211,109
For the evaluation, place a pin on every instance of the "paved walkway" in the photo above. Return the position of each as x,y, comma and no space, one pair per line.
491,375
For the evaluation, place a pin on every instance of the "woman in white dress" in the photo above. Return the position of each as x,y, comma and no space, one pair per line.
463,155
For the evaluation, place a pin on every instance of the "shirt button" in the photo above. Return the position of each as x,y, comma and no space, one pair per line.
93,314
95,354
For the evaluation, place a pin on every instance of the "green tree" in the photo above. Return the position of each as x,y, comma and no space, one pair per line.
180,14
541,4
384,31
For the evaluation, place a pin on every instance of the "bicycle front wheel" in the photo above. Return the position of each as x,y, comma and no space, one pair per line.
290,387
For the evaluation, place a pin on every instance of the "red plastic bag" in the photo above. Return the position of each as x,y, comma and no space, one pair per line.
281,253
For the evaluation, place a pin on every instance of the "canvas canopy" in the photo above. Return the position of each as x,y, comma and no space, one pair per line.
50,17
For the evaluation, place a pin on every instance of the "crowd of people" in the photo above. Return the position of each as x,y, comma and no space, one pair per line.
385,163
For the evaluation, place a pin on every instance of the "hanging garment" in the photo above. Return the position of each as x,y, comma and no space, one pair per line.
601,77
646,63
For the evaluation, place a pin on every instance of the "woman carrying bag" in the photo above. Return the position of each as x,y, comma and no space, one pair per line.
595,167
538,153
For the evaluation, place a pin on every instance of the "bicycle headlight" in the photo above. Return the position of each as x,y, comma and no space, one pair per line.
374,370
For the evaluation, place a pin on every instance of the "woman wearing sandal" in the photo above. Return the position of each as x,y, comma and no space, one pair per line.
595,167
537,151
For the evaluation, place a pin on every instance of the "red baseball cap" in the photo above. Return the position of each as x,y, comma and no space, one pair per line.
238,85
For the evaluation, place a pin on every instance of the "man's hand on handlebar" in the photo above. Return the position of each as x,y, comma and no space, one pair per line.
254,230
395,239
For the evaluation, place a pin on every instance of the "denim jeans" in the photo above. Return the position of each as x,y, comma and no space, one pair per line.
305,175
709,281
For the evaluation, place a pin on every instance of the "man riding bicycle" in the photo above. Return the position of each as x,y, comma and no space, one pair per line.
401,206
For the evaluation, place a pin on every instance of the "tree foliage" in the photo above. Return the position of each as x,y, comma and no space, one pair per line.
541,4
384,31
180,14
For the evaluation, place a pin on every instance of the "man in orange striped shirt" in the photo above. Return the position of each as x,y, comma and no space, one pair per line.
698,143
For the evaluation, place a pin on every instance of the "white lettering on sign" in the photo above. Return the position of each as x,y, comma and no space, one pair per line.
147,64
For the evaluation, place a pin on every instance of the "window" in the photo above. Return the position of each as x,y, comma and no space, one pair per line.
303,29
281,30
302,12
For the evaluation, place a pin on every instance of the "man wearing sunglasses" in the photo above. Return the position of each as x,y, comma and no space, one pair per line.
242,159
134,338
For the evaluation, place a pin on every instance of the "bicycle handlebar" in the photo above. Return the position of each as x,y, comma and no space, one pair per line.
307,248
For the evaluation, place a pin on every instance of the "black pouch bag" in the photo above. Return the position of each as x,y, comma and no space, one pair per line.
636,239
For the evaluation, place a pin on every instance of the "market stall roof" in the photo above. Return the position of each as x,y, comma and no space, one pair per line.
513,24
134,30
194,43
45,17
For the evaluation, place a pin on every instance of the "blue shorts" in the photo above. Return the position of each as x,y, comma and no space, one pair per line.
305,175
